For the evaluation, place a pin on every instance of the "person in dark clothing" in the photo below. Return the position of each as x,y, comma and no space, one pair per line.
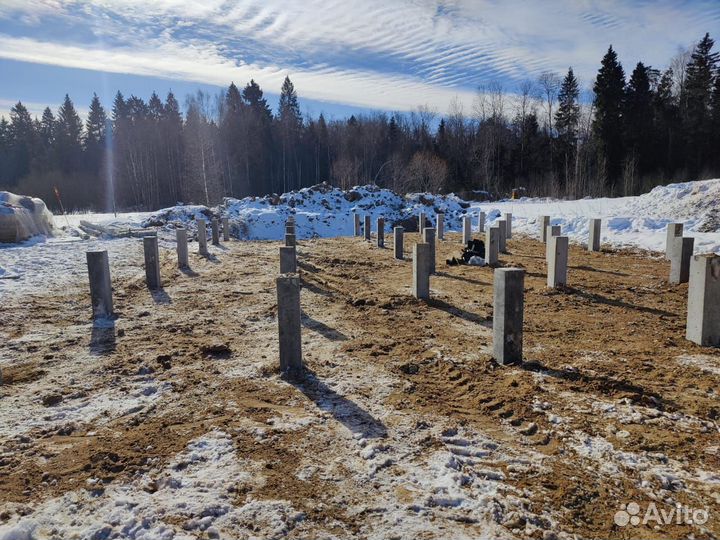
475,248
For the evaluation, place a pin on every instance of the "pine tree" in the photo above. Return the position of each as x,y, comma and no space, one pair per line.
608,125
47,128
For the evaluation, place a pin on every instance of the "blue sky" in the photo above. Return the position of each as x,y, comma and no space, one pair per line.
343,56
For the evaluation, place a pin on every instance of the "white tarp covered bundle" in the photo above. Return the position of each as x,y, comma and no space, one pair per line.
22,217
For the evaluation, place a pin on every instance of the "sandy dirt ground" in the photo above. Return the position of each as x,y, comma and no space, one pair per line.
404,426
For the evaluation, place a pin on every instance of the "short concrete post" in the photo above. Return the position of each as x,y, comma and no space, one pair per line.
467,230
703,317
492,245
100,284
429,238
421,223
182,247
674,230
202,237
290,240
440,228
288,260
356,224
367,228
544,224
557,262
680,254
215,232
380,232
226,229
152,262
508,225
502,237
288,305
594,236
481,222
551,230
398,233
421,270
508,297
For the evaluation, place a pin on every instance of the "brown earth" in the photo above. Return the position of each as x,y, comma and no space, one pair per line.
607,366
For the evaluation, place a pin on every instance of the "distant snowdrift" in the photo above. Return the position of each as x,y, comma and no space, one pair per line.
325,211
23,217
627,221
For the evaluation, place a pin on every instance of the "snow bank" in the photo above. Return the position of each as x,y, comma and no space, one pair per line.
325,211
22,217
638,222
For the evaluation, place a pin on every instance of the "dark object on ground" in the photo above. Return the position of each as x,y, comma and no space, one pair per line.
475,248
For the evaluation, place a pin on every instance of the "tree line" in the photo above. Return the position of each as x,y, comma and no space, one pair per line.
627,136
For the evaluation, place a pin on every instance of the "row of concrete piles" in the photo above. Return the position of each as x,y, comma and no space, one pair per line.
703,322
99,264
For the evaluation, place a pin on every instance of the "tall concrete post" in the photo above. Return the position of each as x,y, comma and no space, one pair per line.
544,224
152,262
288,302
508,299
288,260
215,232
380,232
594,236
182,247
290,240
481,222
429,238
674,230
356,224
367,228
551,230
557,262
492,245
680,254
421,223
421,270
467,230
100,284
703,316
398,233
202,237
502,237
440,228
226,228
508,225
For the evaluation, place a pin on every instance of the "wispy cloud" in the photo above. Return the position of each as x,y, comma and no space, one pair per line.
376,53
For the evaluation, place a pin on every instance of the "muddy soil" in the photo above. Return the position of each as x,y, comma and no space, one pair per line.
612,405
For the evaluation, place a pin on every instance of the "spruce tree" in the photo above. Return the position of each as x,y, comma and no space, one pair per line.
608,124
95,126
698,91
567,116
637,115
69,130
23,142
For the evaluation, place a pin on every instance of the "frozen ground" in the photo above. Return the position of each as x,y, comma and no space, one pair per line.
174,423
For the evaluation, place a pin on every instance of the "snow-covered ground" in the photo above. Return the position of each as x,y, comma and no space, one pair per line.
322,211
